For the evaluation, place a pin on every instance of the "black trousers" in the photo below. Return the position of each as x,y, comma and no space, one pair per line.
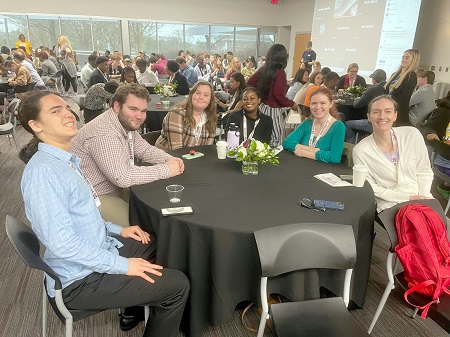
68,81
166,297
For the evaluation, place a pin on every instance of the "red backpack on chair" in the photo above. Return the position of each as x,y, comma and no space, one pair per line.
424,251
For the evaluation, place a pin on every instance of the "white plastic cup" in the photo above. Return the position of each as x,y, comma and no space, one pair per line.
221,149
359,175
174,192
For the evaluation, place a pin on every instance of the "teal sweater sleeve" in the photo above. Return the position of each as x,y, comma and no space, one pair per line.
299,136
331,144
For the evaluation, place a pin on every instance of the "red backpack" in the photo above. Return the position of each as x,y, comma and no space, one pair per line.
424,251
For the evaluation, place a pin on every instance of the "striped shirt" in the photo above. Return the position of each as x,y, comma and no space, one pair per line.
104,149
175,134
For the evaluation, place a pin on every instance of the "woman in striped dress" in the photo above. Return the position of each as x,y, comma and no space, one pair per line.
271,82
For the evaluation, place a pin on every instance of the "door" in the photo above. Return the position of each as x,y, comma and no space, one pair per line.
300,41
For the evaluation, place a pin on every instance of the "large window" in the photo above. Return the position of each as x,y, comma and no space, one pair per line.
142,36
87,34
196,38
170,39
10,28
107,35
246,45
222,39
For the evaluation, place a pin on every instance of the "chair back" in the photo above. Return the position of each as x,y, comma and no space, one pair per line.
303,246
58,73
151,136
26,244
386,218
24,88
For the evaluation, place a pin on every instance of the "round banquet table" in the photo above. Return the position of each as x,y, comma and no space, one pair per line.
215,246
155,116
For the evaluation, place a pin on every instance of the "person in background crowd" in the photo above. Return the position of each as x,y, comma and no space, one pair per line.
181,53
202,69
70,72
173,70
21,76
37,59
270,80
396,157
351,79
402,83
97,99
87,70
422,102
321,137
19,57
301,77
309,56
48,68
191,122
218,70
22,42
187,70
100,74
128,76
5,52
261,61
160,65
317,67
115,68
377,89
237,85
234,67
249,69
144,75
227,60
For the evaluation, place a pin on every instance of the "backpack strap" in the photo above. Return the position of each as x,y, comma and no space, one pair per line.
416,288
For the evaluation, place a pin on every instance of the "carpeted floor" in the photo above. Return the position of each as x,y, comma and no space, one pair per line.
21,287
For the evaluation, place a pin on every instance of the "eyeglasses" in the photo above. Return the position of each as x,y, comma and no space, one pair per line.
307,203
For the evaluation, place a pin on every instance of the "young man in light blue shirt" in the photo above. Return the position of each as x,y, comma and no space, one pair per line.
101,265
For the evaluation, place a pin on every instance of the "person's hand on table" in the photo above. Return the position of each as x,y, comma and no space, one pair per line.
136,233
418,197
139,267
176,166
432,136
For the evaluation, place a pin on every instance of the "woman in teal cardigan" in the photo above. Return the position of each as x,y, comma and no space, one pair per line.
321,137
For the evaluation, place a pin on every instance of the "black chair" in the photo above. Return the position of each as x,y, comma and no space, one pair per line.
151,136
24,88
386,219
305,246
27,245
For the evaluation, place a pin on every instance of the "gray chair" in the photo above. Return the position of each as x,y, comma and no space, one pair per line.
445,178
26,244
57,82
305,246
9,128
386,219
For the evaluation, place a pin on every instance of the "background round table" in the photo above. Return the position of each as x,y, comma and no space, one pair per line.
215,246
155,115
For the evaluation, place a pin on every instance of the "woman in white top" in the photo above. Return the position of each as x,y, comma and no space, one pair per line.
396,158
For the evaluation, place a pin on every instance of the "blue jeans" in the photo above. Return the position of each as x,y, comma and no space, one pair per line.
353,126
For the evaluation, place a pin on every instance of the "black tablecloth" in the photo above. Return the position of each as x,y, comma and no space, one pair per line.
349,111
155,115
215,246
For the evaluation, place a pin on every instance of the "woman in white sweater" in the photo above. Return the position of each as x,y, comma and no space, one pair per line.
396,158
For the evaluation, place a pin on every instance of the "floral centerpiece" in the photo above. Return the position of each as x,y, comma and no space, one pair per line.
166,90
251,153
356,91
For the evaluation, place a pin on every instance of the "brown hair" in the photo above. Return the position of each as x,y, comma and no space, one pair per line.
327,92
376,99
210,110
135,89
30,109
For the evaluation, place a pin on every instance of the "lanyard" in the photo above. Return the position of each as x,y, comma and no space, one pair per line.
244,123
94,194
131,147
104,75
395,154
198,128
321,133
